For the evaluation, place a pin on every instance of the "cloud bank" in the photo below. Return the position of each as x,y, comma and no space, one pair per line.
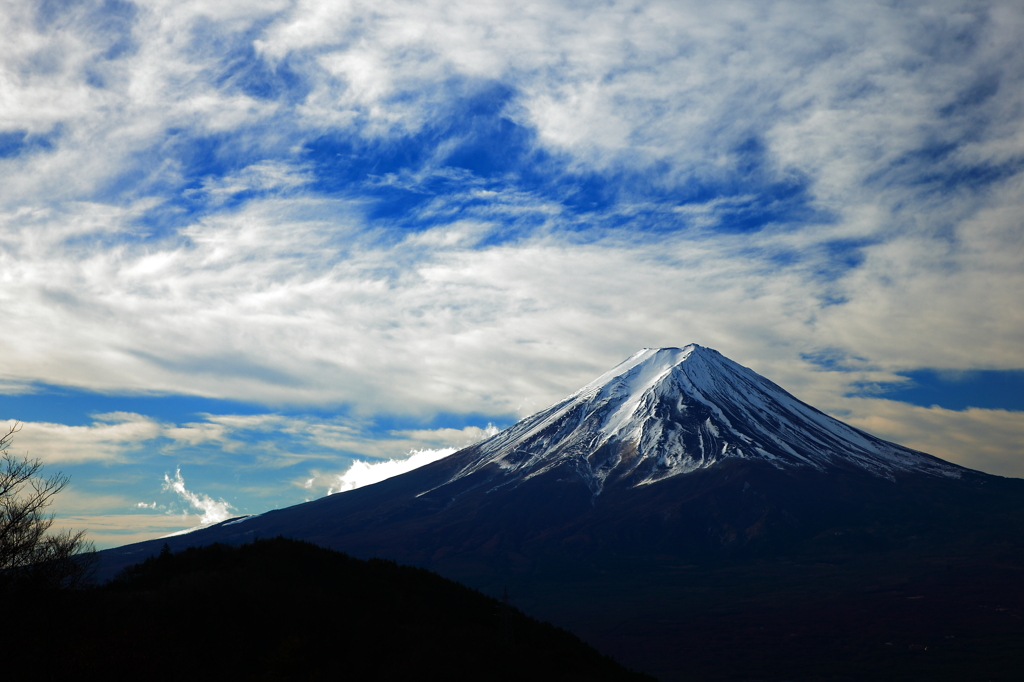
430,207
367,473
362,472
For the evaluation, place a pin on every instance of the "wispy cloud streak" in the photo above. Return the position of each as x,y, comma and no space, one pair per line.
213,511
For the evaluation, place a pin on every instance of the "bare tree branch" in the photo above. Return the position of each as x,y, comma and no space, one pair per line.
27,550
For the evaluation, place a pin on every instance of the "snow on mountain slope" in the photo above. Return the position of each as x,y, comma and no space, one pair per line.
669,411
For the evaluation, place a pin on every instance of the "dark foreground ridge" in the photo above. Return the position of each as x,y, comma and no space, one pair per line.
288,610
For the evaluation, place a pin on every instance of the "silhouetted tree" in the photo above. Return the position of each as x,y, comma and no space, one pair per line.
28,550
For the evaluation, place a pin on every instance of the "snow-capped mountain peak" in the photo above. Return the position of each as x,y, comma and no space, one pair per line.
665,412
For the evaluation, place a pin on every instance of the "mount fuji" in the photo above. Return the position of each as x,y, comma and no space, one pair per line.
676,451
679,483
666,412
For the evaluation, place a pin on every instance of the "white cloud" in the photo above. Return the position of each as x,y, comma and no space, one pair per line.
213,511
112,519
987,440
448,329
458,438
109,438
362,473
266,440
293,299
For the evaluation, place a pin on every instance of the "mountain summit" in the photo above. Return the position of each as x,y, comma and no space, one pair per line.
664,412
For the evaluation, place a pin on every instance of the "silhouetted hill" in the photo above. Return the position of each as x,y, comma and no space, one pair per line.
289,610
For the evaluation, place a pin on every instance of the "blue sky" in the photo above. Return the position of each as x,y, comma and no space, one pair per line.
250,252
